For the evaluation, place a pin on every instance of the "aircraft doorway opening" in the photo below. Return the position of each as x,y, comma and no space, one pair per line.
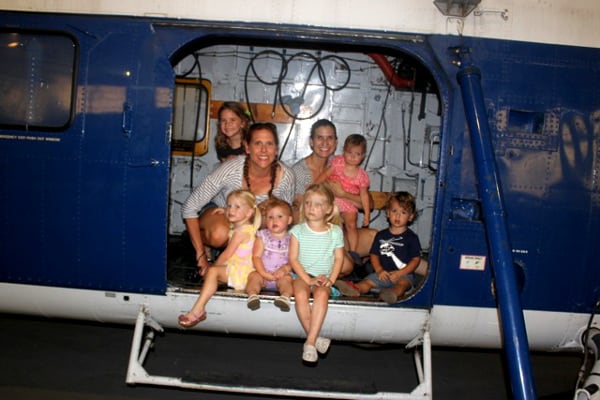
392,100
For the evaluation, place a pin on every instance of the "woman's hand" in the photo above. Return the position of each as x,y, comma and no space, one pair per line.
336,188
216,210
202,263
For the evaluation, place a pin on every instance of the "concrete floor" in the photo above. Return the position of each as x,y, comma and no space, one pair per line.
71,360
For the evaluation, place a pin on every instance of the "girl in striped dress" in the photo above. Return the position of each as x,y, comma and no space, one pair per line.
235,262
316,255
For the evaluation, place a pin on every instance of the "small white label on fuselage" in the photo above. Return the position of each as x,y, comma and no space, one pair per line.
476,263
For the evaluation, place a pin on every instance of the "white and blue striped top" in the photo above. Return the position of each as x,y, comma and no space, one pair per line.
226,178
316,249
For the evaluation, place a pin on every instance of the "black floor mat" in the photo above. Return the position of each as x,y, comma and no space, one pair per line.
181,262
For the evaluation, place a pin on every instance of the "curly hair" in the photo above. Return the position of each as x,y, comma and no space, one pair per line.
404,200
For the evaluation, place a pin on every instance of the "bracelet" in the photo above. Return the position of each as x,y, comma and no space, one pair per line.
200,256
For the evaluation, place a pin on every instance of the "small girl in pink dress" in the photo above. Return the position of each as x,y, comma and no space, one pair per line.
271,257
346,170
235,262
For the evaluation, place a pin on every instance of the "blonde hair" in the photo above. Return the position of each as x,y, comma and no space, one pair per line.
324,190
249,199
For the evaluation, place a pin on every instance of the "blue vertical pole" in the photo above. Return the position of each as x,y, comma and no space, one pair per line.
511,313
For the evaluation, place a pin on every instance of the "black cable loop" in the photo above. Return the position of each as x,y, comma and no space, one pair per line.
194,65
283,71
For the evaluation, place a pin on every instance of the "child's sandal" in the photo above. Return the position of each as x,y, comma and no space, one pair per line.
283,303
253,302
191,319
322,344
309,353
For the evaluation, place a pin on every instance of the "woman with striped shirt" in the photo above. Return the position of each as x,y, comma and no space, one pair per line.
259,171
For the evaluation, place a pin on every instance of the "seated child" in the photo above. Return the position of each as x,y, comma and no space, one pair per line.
316,255
270,256
395,254
235,262
346,170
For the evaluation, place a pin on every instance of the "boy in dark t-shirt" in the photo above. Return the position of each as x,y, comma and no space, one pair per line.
395,254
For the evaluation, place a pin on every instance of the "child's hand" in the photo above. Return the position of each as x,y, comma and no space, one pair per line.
280,273
322,280
383,276
312,282
396,275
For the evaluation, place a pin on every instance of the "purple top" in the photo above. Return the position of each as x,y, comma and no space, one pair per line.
276,251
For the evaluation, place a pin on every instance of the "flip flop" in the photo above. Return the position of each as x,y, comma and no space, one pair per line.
191,319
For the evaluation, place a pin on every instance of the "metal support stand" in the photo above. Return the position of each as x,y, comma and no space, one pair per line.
509,305
136,373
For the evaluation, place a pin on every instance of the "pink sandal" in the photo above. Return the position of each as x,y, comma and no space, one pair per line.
191,319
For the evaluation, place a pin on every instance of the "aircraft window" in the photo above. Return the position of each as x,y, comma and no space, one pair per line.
191,116
36,80
526,121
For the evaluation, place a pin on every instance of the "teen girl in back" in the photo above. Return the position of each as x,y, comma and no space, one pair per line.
316,255
235,262
231,133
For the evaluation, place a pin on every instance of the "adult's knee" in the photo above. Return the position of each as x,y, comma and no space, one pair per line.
217,235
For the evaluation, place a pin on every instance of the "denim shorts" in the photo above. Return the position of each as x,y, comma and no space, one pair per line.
373,277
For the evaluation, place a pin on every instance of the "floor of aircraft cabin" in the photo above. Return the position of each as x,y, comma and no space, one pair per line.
183,273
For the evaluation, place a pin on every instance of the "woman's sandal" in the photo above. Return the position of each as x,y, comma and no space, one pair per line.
191,319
